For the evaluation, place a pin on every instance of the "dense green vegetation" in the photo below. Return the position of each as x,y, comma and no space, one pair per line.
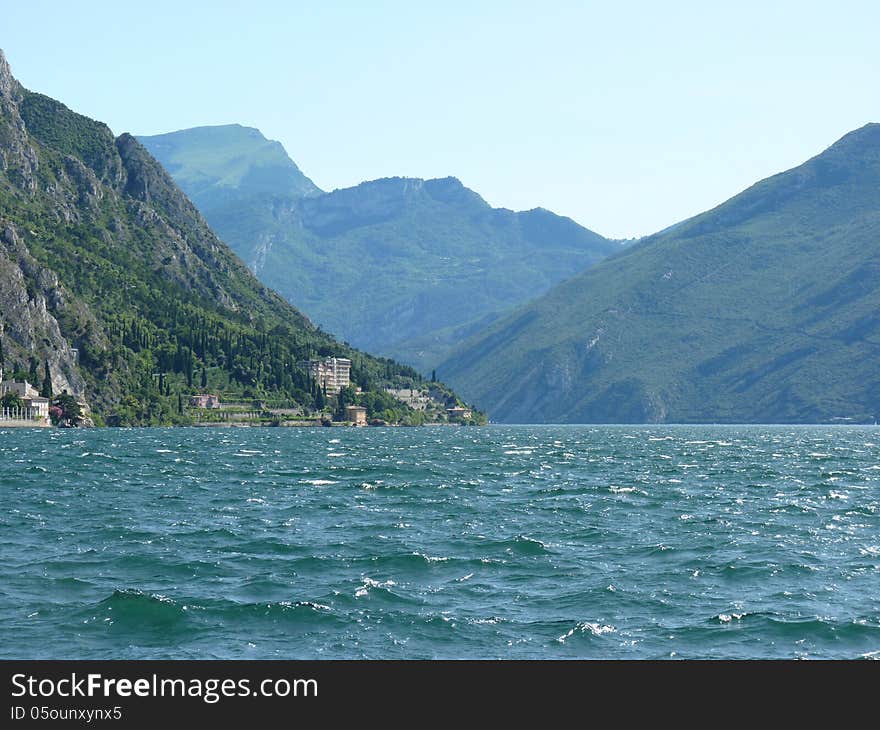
400,266
765,309
70,134
156,306
382,406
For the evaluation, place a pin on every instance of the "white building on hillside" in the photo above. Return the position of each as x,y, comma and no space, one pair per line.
332,374
416,399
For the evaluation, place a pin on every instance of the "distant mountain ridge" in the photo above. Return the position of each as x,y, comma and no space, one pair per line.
764,309
402,266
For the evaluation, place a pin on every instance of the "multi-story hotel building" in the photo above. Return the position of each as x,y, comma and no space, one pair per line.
332,374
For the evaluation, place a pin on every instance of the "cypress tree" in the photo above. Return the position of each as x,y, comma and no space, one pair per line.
204,378
46,390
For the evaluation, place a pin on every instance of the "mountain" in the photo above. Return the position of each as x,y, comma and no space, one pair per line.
213,164
764,309
111,278
402,266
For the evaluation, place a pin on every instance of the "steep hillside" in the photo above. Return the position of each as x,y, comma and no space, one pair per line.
766,308
109,274
401,266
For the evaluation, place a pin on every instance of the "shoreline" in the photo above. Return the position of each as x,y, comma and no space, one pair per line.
312,424
233,424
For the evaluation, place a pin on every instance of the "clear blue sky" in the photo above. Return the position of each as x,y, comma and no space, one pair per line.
626,116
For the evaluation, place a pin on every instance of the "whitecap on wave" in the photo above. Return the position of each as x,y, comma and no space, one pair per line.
584,627
370,583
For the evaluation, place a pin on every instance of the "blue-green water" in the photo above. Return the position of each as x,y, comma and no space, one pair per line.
512,542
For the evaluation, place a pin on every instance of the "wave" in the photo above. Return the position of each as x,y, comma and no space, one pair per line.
415,560
138,613
386,592
587,628
806,628
521,545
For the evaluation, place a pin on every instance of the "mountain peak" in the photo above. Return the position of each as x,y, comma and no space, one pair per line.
221,132
7,80
844,169
867,135
452,190
449,180
226,157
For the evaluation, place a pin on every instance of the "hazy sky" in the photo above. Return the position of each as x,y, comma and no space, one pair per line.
626,116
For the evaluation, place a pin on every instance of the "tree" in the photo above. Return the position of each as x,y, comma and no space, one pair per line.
433,376
346,397
70,410
11,400
55,414
204,378
46,389
18,376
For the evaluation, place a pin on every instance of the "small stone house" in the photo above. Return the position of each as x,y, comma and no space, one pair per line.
356,415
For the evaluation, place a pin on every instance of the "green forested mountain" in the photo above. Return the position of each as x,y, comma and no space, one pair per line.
111,278
401,266
764,309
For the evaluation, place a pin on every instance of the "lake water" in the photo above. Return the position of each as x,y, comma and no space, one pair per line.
497,542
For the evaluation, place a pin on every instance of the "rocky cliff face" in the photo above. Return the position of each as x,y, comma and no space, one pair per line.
65,179
31,297
17,157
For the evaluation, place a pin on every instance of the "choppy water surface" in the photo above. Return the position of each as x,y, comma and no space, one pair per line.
509,542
